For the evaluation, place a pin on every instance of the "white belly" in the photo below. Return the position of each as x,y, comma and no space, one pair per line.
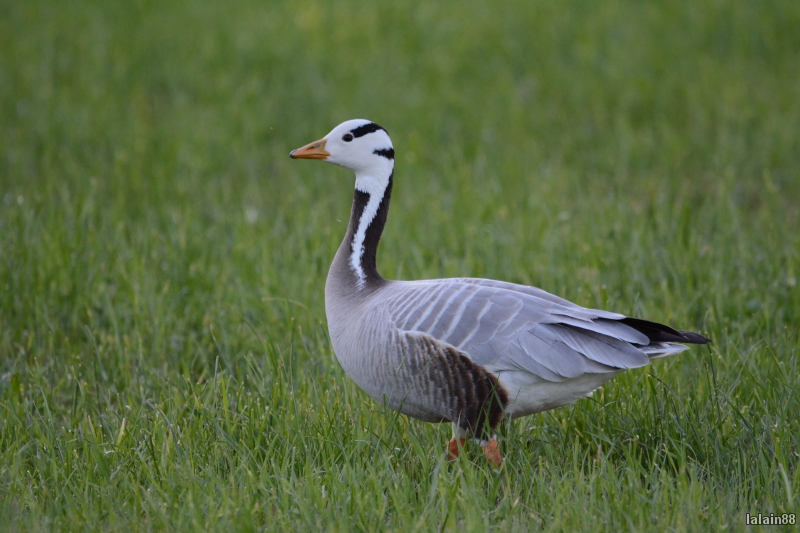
529,394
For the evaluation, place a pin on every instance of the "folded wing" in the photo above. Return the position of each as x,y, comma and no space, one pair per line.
505,326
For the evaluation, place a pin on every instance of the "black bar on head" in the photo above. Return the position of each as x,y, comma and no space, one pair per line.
388,153
366,128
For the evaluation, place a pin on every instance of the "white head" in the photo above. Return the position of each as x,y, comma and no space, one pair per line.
358,145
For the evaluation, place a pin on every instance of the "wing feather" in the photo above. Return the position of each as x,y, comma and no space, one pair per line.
601,348
513,327
607,327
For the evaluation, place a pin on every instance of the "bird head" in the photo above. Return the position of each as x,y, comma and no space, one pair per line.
358,145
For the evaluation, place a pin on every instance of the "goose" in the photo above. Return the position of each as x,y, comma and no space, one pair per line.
462,350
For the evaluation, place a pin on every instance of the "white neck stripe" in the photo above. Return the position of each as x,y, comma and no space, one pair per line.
376,188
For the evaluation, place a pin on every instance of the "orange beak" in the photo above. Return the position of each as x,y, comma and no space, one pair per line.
315,150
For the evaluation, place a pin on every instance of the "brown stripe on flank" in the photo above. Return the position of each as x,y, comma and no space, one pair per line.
474,397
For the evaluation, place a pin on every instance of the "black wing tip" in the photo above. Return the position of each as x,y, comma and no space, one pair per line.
694,338
660,333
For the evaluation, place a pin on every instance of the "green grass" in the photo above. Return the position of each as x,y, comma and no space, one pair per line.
164,360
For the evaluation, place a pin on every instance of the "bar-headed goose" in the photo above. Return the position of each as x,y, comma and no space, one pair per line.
468,351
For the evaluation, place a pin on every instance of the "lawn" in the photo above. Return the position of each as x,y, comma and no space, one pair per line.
164,358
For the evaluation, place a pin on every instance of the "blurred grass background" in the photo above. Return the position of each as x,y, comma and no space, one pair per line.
164,362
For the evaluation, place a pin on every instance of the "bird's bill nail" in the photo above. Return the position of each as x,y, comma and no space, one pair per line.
315,150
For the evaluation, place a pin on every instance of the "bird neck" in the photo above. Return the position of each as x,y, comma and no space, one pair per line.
357,254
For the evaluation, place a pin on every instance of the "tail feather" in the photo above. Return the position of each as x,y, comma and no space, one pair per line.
657,350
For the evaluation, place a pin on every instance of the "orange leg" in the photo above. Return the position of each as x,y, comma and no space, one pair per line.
454,447
492,453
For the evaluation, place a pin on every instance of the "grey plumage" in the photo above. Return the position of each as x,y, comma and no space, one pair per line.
466,350
503,328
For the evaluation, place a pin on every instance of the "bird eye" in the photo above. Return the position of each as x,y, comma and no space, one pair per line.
347,137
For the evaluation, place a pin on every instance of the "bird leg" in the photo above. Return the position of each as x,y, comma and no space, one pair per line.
454,447
458,441
492,453
491,450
